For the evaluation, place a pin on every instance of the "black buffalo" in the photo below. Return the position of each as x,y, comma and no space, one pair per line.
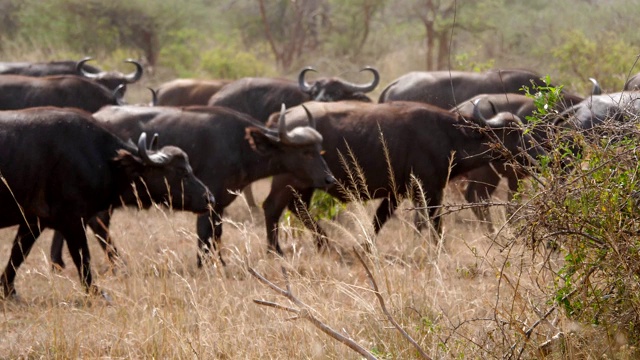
21,92
420,139
228,150
633,83
447,89
110,79
60,167
186,92
597,109
261,97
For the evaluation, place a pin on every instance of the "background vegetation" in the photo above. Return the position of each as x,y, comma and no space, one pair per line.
570,40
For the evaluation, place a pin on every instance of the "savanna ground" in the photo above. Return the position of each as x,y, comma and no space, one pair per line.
473,297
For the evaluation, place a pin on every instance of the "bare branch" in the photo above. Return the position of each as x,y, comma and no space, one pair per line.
386,312
306,313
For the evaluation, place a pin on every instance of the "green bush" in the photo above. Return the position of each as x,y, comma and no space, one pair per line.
590,215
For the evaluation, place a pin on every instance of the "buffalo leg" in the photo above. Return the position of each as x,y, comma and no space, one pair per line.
249,197
22,244
386,208
483,183
100,227
279,197
78,248
299,205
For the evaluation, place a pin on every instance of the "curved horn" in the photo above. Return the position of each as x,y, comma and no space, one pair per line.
154,142
476,111
312,120
494,109
118,94
154,97
80,70
302,84
282,127
367,87
596,90
136,75
143,151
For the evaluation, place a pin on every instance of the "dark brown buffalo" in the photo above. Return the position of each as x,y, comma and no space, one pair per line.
261,97
228,150
110,79
60,168
598,109
420,140
186,92
633,84
483,181
447,89
21,92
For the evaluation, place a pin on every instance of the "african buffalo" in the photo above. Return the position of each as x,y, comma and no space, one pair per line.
60,167
597,109
261,97
420,141
228,150
110,79
20,92
447,89
186,92
483,181
633,83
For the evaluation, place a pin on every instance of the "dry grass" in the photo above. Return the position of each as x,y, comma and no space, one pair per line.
473,298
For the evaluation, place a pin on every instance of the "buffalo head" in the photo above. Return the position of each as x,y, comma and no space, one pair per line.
296,151
507,131
334,89
163,176
111,79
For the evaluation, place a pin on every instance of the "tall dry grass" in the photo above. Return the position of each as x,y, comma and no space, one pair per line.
473,297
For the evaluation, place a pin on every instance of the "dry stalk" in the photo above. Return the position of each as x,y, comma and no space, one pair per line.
305,312
374,285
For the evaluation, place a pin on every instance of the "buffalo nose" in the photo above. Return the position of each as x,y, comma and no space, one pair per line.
211,199
329,180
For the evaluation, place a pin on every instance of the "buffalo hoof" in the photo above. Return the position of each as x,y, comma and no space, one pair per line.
57,267
96,291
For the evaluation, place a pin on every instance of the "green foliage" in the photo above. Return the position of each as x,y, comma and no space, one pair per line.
591,214
227,63
605,57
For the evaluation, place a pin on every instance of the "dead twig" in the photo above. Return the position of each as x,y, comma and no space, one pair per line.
386,312
305,312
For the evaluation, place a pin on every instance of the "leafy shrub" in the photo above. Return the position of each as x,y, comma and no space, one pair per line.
590,215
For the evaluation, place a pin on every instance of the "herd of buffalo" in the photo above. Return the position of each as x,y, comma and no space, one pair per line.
73,150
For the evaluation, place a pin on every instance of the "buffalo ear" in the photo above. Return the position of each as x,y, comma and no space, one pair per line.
261,142
131,163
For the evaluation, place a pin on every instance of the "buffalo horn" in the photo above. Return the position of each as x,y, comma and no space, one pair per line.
596,90
312,120
118,94
81,71
143,152
154,97
302,84
282,127
367,87
476,111
136,75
